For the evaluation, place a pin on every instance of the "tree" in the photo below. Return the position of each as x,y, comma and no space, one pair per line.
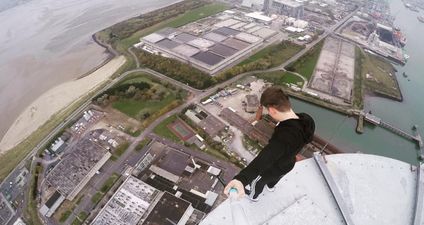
130,92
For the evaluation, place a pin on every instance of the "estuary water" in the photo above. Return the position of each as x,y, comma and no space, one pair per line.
44,43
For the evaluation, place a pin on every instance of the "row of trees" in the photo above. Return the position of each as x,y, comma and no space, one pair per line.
260,64
137,91
176,70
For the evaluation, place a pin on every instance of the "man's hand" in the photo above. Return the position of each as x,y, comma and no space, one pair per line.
236,184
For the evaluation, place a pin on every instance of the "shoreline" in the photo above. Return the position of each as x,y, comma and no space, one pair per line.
54,100
112,53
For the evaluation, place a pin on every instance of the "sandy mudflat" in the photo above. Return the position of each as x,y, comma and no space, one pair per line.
44,43
54,100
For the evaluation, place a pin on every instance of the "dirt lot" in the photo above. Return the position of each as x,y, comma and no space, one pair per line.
335,69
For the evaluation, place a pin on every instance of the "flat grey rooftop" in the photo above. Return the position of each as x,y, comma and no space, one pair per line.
166,43
226,31
235,43
174,162
214,37
247,37
223,50
212,125
372,190
74,167
167,31
186,50
153,38
208,58
185,37
168,210
201,43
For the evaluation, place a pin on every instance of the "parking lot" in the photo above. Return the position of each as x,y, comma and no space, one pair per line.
235,101
12,188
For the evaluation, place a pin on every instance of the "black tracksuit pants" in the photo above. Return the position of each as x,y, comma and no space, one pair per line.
258,184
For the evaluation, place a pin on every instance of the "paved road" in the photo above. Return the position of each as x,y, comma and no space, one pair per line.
137,62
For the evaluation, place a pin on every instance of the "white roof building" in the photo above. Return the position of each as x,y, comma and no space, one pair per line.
294,29
259,16
153,38
251,3
19,221
340,189
129,203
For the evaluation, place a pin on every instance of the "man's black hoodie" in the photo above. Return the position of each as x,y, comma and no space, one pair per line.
279,156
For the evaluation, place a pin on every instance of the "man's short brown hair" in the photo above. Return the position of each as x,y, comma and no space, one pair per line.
275,97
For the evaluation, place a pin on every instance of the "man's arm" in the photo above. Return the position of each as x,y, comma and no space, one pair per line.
274,150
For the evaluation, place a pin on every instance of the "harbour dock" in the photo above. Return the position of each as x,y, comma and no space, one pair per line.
416,137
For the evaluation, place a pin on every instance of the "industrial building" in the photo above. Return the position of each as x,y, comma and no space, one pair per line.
128,205
213,43
254,4
181,174
52,204
245,126
284,7
169,209
74,171
252,103
209,123
136,202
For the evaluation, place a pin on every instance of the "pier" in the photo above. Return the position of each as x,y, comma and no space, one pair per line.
360,124
416,137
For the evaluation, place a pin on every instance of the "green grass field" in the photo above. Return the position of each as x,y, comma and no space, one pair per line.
278,53
134,108
358,89
107,185
97,197
281,78
162,129
306,64
65,216
80,219
137,108
143,143
382,76
120,150
109,182
178,21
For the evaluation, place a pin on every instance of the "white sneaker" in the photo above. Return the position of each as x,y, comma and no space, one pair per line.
270,189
